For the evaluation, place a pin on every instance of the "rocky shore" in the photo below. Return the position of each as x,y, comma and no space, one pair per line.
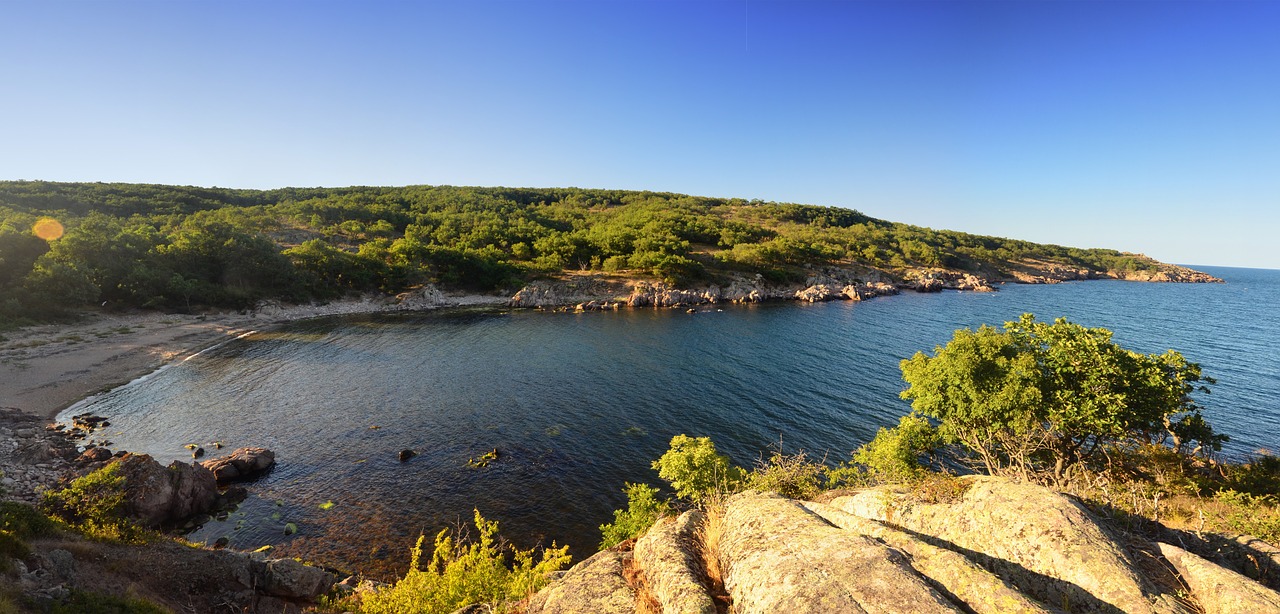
995,547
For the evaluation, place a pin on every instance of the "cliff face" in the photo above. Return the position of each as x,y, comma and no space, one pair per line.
999,546
591,292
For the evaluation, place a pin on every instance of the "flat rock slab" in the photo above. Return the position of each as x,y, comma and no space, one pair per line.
1042,541
666,555
779,557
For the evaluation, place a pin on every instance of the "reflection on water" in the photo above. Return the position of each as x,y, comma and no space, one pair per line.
577,404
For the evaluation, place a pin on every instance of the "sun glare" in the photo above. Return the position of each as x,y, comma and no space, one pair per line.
47,229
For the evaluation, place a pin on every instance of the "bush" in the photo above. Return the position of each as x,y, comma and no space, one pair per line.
694,469
643,509
790,475
464,573
894,454
94,505
24,521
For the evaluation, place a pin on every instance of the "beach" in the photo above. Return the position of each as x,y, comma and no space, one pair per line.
45,369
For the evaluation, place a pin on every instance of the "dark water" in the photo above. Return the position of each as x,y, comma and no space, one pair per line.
577,404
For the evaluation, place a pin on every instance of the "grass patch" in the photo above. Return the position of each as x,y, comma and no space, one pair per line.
94,506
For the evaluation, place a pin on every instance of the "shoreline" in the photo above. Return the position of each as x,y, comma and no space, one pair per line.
49,368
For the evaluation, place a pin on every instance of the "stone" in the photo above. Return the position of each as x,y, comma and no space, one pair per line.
1045,543
406,454
665,553
595,585
981,591
1220,590
157,496
290,579
777,556
242,464
95,454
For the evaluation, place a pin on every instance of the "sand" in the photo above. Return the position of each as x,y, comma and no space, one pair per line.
45,369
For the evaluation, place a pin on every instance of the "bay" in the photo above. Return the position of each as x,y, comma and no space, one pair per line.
577,404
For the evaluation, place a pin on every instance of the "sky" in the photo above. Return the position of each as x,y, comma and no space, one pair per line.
1150,127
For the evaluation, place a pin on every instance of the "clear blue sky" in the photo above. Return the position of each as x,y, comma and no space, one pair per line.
1143,126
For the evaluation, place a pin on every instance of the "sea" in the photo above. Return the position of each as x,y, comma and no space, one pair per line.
576,405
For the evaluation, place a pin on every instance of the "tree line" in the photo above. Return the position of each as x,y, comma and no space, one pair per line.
180,247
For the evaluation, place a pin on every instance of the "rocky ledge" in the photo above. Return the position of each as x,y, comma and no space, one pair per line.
999,546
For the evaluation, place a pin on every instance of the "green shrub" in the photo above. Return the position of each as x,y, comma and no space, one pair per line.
84,602
11,547
1259,476
1250,514
464,573
790,475
894,454
643,509
94,505
694,469
24,521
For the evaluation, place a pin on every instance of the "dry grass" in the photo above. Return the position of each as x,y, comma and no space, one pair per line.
646,602
708,537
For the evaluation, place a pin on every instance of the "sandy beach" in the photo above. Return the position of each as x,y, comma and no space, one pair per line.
45,369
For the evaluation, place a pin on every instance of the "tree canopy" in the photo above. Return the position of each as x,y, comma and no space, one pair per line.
179,247
1041,397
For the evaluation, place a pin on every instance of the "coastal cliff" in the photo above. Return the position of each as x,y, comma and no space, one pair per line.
591,292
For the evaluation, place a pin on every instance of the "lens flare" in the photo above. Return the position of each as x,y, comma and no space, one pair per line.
47,229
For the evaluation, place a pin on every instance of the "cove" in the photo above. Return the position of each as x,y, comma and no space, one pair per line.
578,404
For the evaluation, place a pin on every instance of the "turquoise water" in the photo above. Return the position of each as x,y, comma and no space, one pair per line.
578,404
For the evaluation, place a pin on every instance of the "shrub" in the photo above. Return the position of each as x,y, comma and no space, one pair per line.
694,469
463,573
94,505
643,509
790,475
894,454
24,521
84,602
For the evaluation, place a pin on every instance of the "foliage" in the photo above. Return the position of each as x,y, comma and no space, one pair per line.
1037,396
894,454
462,573
136,245
85,602
790,475
694,469
94,505
24,521
643,509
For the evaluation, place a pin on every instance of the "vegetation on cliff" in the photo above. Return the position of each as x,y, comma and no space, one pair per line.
65,245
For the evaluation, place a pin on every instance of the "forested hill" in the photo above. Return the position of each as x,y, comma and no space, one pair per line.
177,247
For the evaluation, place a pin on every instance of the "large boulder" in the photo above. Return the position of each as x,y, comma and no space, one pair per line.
777,556
290,579
1041,541
242,464
158,496
595,585
1220,590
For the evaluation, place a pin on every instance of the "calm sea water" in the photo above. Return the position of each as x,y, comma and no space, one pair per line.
578,404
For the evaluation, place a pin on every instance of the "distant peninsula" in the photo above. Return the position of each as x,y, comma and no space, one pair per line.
65,246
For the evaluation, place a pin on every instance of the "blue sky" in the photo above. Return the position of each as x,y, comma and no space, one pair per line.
1144,126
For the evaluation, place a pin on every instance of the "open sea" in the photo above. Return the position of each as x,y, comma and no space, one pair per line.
578,404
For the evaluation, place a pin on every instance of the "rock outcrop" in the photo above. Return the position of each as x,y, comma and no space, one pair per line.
242,464
594,585
996,547
1046,543
157,496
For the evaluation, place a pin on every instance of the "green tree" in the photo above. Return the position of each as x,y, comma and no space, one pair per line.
695,470
1039,396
